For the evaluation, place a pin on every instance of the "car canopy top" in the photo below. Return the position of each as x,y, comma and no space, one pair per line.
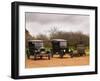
36,41
62,42
59,40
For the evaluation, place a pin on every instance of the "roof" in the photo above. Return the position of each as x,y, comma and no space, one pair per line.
59,40
35,40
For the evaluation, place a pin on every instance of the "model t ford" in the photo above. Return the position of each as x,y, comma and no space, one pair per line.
59,46
80,50
36,49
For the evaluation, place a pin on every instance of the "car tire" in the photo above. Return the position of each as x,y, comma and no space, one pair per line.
49,57
34,57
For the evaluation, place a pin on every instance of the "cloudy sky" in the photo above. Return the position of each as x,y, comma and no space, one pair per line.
37,23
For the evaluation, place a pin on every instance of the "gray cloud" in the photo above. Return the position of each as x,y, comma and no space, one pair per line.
41,22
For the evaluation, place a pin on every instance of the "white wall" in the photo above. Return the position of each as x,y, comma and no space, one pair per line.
5,41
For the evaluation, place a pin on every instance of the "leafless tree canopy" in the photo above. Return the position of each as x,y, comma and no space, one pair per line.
73,38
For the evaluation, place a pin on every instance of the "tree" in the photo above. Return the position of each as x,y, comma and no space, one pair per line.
45,39
53,32
73,38
27,37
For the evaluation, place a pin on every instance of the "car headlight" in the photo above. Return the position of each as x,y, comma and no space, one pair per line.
64,50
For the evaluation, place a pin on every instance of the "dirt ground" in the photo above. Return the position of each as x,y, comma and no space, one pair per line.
56,61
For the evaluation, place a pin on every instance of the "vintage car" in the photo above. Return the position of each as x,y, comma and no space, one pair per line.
59,46
80,50
36,49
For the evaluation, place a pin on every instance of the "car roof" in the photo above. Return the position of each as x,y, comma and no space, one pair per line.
60,40
35,40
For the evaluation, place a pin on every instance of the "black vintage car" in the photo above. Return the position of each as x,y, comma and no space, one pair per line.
36,49
59,46
80,50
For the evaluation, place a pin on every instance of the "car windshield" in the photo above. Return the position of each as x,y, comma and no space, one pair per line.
80,46
38,45
63,44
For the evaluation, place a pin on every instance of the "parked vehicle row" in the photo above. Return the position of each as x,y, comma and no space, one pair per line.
59,47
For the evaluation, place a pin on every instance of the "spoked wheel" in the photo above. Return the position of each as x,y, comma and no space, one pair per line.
41,57
48,57
61,55
28,56
71,55
34,56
